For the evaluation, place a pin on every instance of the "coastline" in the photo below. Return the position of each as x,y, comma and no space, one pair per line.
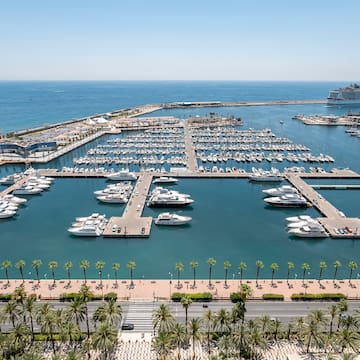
153,290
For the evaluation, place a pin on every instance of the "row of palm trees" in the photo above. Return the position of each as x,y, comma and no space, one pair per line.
61,328
229,335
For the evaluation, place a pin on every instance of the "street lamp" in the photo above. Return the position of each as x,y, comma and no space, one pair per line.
171,276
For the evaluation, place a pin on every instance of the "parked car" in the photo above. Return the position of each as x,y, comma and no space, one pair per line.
127,326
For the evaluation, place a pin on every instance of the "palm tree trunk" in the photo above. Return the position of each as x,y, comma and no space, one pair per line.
288,276
178,279
87,320
226,274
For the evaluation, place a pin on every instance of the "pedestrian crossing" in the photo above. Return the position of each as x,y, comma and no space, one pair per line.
140,314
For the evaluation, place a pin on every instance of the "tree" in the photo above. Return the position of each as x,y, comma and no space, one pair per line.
104,339
116,267
178,337
290,266
6,264
274,267
259,265
323,266
131,265
305,267
195,332
111,312
69,332
222,322
52,266
242,267
162,345
348,339
227,266
163,319
333,310
77,310
46,319
194,265
11,311
68,265
19,338
99,266
336,264
30,309
211,262
342,308
209,319
179,266
36,265
186,302
353,266
84,295
84,265
20,265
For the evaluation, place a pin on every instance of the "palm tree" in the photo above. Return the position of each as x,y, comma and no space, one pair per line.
186,302
178,337
77,310
274,267
323,266
348,339
46,319
209,319
116,267
52,266
105,339
163,319
342,308
227,265
99,266
20,265
6,264
353,266
84,265
30,309
69,332
195,332
68,265
290,266
305,267
211,262
333,310
336,264
84,295
162,345
179,266
222,322
19,338
11,311
259,265
36,265
131,265
242,267
194,265
111,312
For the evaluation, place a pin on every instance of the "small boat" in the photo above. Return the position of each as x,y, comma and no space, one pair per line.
123,174
86,230
298,218
167,218
287,200
165,180
282,190
6,213
113,198
13,199
309,232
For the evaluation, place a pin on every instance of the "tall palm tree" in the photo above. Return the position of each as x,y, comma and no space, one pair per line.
11,311
84,265
30,309
52,266
179,266
178,337
186,302
85,295
353,266
99,266
77,310
209,319
194,265
227,266
274,267
6,264
131,265
290,266
305,267
163,319
36,265
20,265
46,319
211,262
111,312
104,339
348,339
333,311
342,309
242,267
162,345
19,338
116,267
259,265
222,322
69,332
336,264
195,333
68,266
322,266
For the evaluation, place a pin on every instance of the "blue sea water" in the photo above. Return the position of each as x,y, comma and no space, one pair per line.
230,220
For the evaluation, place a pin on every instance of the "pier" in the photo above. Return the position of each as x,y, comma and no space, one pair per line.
16,185
189,149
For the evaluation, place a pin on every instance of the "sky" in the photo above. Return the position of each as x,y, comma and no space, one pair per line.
180,40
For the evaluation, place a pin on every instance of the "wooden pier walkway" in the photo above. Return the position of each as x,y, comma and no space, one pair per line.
132,224
189,149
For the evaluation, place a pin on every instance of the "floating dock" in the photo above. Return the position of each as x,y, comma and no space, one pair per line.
189,149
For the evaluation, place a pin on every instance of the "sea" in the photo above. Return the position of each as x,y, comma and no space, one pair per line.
230,220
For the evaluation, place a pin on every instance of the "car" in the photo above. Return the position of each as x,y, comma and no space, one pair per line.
127,326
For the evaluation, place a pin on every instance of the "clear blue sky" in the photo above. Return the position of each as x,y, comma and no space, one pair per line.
180,39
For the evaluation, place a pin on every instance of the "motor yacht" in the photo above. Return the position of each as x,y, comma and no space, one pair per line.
10,179
287,200
166,200
160,190
113,198
86,230
165,180
298,224
167,218
5,205
27,190
91,217
5,213
260,175
298,218
13,199
123,174
309,232
282,190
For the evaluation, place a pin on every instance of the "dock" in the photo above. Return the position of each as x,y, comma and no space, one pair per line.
11,188
189,149
132,224
335,187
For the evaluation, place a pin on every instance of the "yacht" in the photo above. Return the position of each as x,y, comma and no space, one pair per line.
298,218
287,200
309,232
123,174
298,224
167,200
91,217
282,190
161,190
85,230
265,176
13,199
165,180
349,95
113,198
5,205
10,179
167,218
27,190
5,213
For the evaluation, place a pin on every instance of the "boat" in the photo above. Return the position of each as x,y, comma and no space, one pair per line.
165,180
166,200
309,232
298,224
5,213
161,190
113,198
91,217
10,179
27,190
265,176
13,199
282,190
349,95
123,174
298,218
287,200
167,218
85,230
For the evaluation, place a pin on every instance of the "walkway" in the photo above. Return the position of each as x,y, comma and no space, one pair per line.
189,149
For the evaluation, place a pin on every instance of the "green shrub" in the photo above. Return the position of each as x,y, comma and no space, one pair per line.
110,295
196,297
279,297
5,297
237,297
318,297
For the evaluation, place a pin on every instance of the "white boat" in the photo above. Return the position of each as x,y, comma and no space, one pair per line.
265,176
27,190
298,218
5,213
282,190
86,230
113,198
10,179
166,200
123,174
309,232
165,180
37,185
298,224
13,199
349,95
160,190
92,216
5,205
287,200
167,218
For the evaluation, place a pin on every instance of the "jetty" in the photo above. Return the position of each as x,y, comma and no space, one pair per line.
189,149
